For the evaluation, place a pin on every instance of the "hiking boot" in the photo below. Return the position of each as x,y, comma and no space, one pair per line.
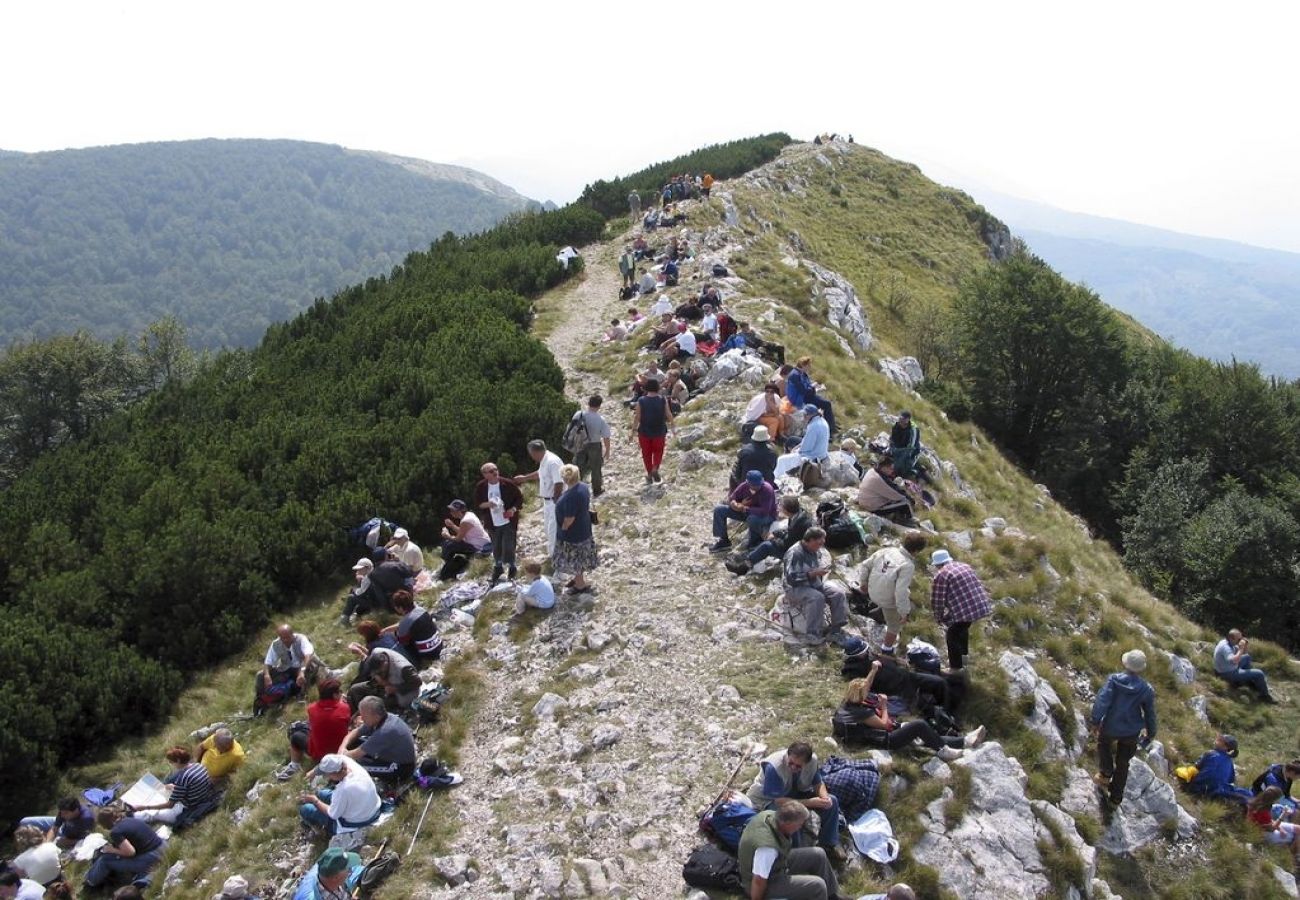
813,640
737,566
722,545
288,771
888,651
512,572
496,576
655,475
948,754
975,738
649,478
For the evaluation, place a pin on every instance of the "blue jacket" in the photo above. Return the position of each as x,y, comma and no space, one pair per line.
799,388
1215,777
1125,706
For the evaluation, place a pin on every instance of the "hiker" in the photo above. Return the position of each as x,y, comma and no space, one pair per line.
500,503
905,448
192,795
549,485
959,599
591,458
663,307
793,774
627,267
328,721
864,718
70,823
690,311
382,744
806,565
373,637
634,204
405,551
463,536
351,802
1232,663
389,576
806,460
706,185
847,456
617,331
360,597
539,593
770,866
778,541
289,661
1125,708
800,390
390,675
640,248
575,549
334,876
652,371
764,409
1216,774
674,388
756,455
709,322
680,346
13,885
652,421
881,493
647,284
220,754
37,859
416,633
133,849
887,577
1280,776
752,502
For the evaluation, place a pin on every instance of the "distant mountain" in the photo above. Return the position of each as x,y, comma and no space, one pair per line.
229,235
1217,298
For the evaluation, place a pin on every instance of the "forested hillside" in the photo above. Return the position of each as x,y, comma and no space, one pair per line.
229,236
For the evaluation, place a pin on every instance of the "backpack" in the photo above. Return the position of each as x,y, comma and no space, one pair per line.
725,822
719,270
924,657
428,703
377,870
575,435
842,532
942,722
712,869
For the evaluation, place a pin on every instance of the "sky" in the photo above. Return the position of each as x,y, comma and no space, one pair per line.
1178,115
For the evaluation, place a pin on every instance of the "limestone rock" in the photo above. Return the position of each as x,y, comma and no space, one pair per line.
840,471
693,460
905,371
1286,880
843,308
1101,891
454,869
726,693
962,540
996,523
1024,681
689,437
1157,760
1149,804
173,877
1183,669
549,705
731,365
606,736
1200,706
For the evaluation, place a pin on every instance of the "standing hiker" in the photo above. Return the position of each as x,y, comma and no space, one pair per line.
549,485
591,458
575,549
887,577
500,502
652,421
959,600
1125,707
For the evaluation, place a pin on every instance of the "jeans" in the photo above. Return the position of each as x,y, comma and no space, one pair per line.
1244,674
828,835
958,638
503,544
764,550
1113,755
590,459
107,866
758,525
312,815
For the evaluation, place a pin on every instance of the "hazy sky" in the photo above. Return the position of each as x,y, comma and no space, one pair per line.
1181,115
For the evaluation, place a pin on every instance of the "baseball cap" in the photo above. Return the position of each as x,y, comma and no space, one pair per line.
399,534
754,477
458,505
364,562
331,764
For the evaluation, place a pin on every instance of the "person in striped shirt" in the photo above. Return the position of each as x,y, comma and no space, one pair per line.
959,600
193,795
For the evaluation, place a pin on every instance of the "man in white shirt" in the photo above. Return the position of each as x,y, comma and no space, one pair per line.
709,324
406,551
289,660
681,345
549,486
351,802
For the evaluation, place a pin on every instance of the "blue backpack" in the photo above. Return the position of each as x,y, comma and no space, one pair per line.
725,822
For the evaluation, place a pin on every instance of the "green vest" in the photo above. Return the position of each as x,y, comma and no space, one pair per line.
762,832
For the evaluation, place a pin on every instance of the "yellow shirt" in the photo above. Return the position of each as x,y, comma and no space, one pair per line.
219,764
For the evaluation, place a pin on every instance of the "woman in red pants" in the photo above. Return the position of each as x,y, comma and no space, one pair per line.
652,420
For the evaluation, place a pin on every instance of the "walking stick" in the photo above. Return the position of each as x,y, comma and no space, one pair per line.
419,825
744,756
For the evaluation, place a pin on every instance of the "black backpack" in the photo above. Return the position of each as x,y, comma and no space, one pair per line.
841,531
711,869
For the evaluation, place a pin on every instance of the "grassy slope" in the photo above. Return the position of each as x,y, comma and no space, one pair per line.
1084,623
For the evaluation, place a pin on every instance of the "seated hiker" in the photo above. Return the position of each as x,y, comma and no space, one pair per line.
749,339
37,859
388,576
777,541
191,797
887,577
647,283
770,864
847,455
1280,776
640,248
662,328
361,597
709,322
921,692
1233,664
755,455
350,804
806,461
905,448
780,378
220,754
405,550
670,272
1124,710
13,885
70,823
674,388
334,876
801,391
329,720
1261,810
652,372
864,718
538,593
389,675
690,311
680,346
382,744
959,600
807,592
793,774
617,331
663,307
764,409
883,494
416,633
290,661
133,850
740,339
463,536
754,503
1216,775
372,636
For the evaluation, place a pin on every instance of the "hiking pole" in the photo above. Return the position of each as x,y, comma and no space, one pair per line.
744,755
419,825
770,623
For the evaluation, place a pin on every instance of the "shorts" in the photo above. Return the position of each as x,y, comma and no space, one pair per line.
893,618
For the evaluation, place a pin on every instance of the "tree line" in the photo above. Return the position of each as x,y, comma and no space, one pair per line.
153,544
1190,467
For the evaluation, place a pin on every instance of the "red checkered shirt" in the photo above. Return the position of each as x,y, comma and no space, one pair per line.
958,595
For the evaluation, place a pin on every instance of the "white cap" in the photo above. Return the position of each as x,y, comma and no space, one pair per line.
331,764
364,562
399,534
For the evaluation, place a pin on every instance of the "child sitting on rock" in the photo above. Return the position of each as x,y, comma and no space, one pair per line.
538,593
